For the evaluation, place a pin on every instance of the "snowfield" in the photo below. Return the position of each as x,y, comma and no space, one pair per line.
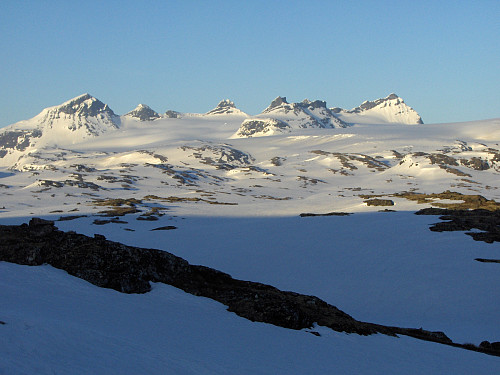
235,202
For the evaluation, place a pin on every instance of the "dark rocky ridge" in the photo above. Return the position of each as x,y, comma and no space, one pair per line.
130,269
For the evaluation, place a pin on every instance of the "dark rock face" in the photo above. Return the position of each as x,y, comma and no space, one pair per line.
17,139
315,104
476,163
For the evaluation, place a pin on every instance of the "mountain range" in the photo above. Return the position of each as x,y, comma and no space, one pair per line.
302,197
85,116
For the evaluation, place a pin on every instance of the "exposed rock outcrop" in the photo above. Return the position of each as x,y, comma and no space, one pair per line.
260,127
464,220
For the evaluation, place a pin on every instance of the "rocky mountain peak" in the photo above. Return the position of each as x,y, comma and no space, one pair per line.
143,113
280,100
224,107
372,104
391,109
83,106
315,104
226,103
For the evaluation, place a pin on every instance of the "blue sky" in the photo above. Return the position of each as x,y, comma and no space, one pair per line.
442,57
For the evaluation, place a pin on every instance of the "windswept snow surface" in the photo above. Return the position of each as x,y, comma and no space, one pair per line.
236,205
380,267
58,324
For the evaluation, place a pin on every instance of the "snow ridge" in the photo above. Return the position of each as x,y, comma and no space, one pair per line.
391,109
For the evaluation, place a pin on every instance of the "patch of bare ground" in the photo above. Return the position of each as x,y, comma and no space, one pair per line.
379,202
270,197
118,206
472,201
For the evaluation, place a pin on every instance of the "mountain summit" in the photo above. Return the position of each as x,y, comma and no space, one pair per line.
84,116
84,106
391,109
281,116
143,113
70,122
226,107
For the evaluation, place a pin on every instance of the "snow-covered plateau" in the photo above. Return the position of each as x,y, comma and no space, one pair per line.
231,188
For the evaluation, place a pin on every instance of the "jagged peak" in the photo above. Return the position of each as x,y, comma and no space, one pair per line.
226,103
144,113
77,100
367,104
84,105
313,104
279,101
225,106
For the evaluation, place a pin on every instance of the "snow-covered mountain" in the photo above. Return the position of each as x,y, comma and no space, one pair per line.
77,119
226,107
283,117
391,109
143,113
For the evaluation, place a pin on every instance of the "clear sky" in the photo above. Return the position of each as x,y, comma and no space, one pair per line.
442,57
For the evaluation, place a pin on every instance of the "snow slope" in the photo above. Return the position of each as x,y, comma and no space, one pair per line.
59,324
391,109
